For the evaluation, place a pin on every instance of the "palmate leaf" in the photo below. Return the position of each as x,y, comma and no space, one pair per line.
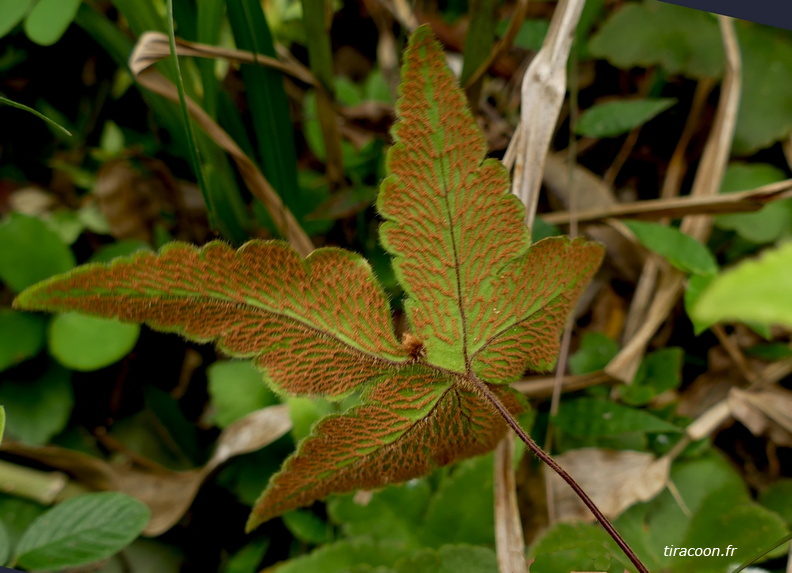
483,306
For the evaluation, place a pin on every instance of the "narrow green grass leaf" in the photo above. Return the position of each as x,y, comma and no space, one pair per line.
266,97
618,117
54,124
480,36
82,530
681,250
753,291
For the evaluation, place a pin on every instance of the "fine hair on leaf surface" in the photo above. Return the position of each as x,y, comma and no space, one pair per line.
483,306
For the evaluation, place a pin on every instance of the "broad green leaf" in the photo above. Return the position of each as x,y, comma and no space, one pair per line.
482,306
682,40
696,285
82,342
247,559
575,547
307,526
770,352
347,556
236,389
31,252
618,117
5,543
82,530
755,290
531,34
595,352
459,243
449,521
118,249
681,250
450,559
772,220
723,520
305,412
778,497
12,12
17,514
2,427
22,335
395,513
659,372
765,114
592,417
39,408
48,20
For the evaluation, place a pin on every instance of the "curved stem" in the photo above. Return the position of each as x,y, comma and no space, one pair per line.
546,458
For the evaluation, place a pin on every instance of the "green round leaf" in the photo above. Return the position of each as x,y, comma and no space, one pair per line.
31,252
21,336
49,19
38,409
82,530
617,117
11,13
681,250
83,342
754,291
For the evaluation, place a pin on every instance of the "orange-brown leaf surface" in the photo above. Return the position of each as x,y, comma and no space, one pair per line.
483,305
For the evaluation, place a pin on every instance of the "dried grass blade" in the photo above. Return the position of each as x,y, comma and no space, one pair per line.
543,90
706,184
509,538
140,63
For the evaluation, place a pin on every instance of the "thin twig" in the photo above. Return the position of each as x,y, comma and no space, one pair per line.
553,465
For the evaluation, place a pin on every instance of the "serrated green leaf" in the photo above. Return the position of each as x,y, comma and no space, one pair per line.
82,530
48,20
755,290
682,40
347,556
450,559
236,389
596,418
459,243
22,335
31,252
618,117
82,342
482,306
772,220
40,408
595,352
681,250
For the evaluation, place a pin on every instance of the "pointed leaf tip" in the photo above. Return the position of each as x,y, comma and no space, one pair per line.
319,326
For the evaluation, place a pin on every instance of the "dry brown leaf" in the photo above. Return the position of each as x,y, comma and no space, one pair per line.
614,480
765,412
168,494
147,52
